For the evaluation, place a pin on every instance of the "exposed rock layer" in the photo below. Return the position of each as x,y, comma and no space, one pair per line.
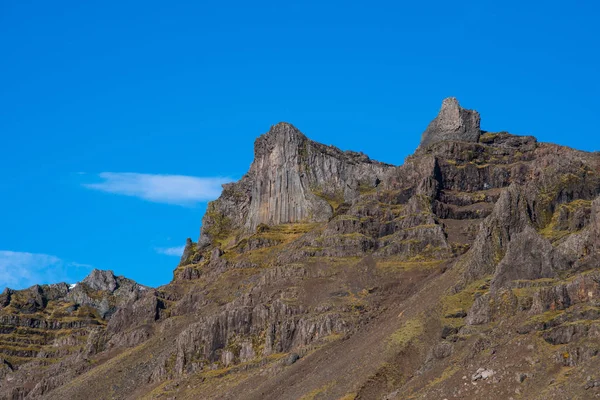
452,123
322,273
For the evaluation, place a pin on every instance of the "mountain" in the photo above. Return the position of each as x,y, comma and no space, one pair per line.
471,271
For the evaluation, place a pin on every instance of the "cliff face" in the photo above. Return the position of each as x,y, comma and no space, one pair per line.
471,271
452,123
292,179
298,180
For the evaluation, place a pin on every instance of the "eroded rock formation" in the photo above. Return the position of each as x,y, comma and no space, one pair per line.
292,179
452,123
325,274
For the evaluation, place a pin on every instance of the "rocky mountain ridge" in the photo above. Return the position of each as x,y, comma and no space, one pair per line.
470,271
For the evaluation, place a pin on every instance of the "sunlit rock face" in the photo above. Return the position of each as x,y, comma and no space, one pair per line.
295,177
324,273
292,179
452,123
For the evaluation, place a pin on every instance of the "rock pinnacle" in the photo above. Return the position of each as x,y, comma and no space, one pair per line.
452,123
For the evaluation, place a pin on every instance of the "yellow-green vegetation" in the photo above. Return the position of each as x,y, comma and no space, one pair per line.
276,357
460,248
550,192
542,282
349,396
461,302
275,237
20,344
335,200
280,234
397,265
216,373
447,374
334,337
396,209
478,197
219,226
546,317
335,261
286,232
342,237
347,217
551,231
409,333
526,289
580,275
365,188
356,301
317,392
213,381
488,137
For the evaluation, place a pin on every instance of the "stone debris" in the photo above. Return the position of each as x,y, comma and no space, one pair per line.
482,374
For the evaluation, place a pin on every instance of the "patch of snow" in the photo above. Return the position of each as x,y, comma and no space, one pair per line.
72,286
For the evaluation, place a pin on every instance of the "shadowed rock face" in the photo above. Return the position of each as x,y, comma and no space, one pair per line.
452,123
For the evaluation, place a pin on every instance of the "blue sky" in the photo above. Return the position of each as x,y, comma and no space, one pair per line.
119,120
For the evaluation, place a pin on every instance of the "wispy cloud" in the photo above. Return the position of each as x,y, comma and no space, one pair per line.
170,251
19,270
170,189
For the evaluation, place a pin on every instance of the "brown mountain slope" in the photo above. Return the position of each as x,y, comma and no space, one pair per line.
471,271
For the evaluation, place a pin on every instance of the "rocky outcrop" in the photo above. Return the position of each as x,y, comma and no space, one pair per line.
345,277
508,218
292,179
105,292
241,333
45,324
581,289
452,123
528,257
101,280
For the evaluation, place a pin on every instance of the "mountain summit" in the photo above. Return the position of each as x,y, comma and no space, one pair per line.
471,271
452,123
292,179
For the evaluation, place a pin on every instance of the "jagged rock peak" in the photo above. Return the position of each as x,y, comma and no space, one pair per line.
292,179
102,280
283,129
452,123
284,136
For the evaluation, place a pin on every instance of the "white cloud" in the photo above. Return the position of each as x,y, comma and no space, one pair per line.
170,189
19,270
171,251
